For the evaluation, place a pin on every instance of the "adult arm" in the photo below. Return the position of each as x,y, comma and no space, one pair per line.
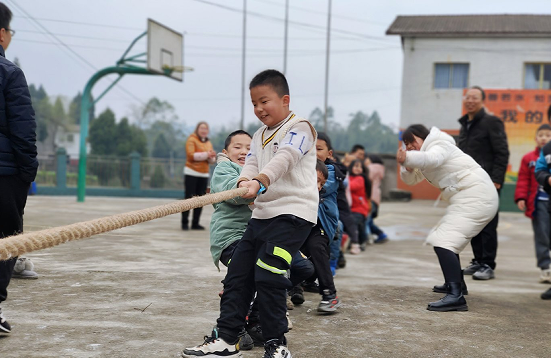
21,124
411,177
498,141
435,156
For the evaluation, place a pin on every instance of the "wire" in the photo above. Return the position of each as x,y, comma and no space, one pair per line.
84,60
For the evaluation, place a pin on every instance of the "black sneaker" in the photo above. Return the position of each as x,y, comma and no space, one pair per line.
329,302
245,341
311,287
341,263
276,348
255,332
297,295
197,227
213,346
485,272
546,295
472,268
4,325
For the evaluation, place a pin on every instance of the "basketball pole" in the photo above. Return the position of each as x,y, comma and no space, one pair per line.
243,57
122,68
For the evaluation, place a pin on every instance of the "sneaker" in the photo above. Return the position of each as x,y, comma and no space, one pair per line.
363,246
213,346
341,263
381,239
472,268
297,295
24,269
355,249
329,302
197,227
246,342
4,325
546,295
311,287
290,305
485,272
545,276
289,322
255,332
276,348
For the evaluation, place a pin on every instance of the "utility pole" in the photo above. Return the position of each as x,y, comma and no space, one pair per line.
242,124
286,36
327,65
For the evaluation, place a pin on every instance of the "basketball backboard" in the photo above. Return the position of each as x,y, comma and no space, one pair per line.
164,50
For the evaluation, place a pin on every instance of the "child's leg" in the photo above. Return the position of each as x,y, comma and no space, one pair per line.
360,225
350,227
318,247
301,269
542,228
238,287
279,239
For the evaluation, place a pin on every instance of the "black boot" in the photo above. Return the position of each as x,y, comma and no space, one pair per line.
446,289
453,301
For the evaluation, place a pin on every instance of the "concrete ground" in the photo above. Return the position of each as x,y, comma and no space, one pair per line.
151,289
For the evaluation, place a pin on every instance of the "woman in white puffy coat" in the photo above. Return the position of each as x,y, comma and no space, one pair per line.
472,197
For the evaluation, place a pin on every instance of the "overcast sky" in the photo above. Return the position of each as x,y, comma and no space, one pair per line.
365,64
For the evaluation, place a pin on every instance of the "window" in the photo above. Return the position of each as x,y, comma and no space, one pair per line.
451,75
537,76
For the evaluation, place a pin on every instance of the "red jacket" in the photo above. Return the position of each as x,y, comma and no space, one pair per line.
527,186
360,203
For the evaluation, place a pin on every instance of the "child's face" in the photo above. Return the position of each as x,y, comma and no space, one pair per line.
542,137
321,180
322,152
238,148
357,169
268,106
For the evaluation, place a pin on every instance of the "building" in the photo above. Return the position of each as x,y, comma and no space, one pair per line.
508,55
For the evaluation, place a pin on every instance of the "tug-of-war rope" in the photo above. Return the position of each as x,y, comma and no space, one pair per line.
19,244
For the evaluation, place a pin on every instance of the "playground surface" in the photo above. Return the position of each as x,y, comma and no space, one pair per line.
151,289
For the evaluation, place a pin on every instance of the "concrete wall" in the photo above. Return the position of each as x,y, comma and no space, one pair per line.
493,63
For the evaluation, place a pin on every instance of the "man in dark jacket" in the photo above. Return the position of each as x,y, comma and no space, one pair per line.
482,136
18,162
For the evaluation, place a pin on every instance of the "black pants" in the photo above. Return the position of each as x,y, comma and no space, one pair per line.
13,197
485,243
261,260
350,226
194,186
316,248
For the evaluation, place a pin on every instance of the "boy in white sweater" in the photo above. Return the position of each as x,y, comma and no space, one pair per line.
280,171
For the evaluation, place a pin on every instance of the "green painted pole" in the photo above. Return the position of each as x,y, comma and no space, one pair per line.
85,107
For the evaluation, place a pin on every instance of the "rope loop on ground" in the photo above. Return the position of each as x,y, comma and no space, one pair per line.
17,245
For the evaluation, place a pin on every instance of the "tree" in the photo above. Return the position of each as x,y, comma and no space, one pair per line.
161,148
102,134
74,109
174,137
155,110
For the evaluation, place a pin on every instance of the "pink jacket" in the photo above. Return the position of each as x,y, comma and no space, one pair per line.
376,175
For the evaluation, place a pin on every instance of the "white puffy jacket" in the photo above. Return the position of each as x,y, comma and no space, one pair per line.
463,183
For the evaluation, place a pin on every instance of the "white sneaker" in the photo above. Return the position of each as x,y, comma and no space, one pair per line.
545,276
355,249
213,347
275,348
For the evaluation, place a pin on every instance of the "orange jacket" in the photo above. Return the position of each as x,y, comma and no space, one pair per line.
194,145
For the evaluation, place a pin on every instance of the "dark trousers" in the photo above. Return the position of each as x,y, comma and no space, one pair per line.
350,226
261,260
316,248
359,221
13,197
194,186
485,244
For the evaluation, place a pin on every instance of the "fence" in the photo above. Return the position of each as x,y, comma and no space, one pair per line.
131,176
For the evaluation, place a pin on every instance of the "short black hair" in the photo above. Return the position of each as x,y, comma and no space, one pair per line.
375,159
544,127
272,78
322,168
417,130
481,91
233,134
357,147
5,16
324,137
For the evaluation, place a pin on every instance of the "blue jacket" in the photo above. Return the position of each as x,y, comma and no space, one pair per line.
17,124
543,168
328,212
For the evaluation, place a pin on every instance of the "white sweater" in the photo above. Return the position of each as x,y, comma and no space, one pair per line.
283,158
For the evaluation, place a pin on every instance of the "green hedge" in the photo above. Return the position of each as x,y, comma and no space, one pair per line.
48,178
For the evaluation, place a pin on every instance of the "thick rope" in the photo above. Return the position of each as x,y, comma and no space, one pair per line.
19,244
